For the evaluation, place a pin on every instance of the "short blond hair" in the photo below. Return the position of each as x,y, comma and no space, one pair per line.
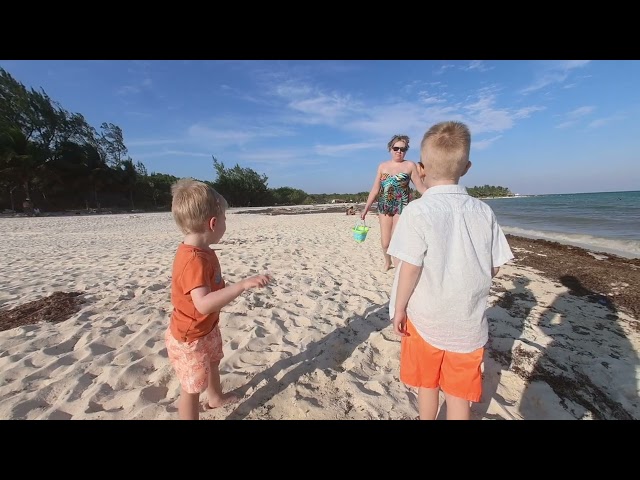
444,150
194,203
396,138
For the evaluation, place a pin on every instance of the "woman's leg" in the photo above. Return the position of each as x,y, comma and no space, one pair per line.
386,226
393,229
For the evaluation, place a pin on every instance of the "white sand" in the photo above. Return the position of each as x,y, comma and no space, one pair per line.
316,344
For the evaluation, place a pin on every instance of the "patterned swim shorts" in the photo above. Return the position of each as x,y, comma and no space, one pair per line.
192,360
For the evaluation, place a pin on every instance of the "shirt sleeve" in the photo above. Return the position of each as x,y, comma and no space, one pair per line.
500,250
408,242
196,274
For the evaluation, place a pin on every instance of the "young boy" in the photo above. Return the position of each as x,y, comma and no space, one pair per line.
450,247
198,293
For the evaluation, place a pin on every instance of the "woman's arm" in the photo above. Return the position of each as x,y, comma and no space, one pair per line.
416,179
375,189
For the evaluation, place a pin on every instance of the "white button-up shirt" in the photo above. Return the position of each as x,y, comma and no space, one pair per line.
457,240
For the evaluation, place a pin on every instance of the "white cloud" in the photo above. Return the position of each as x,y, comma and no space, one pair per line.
134,88
566,124
443,69
235,136
573,116
486,143
552,73
600,122
339,150
477,65
166,153
150,142
281,158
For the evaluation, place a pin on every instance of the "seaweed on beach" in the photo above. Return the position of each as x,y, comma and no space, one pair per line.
611,281
55,308
295,211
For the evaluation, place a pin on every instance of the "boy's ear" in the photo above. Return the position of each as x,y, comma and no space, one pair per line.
212,223
466,169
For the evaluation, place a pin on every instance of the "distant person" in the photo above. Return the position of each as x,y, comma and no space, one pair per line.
351,210
392,192
450,246
198,293
27,207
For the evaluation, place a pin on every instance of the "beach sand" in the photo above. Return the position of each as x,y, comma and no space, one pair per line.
85,302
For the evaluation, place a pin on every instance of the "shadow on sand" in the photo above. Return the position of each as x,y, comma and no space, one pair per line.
327,354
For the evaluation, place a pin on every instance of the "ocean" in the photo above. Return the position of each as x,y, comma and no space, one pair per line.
606,222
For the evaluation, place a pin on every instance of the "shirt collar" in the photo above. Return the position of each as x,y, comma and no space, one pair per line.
446,189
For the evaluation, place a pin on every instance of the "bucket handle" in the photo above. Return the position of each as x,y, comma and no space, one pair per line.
360,222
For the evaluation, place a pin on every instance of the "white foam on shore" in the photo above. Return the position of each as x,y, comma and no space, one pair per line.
621,248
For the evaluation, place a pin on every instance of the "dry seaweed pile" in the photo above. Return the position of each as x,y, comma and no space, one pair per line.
55,308
613,281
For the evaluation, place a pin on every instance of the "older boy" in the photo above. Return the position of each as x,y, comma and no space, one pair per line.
450,247
198,293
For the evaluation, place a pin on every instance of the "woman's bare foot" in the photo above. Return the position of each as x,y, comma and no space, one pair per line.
387,267
225,399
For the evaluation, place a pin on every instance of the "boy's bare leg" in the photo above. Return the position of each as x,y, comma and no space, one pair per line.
386,226
188,406
215,397
457,408
428,402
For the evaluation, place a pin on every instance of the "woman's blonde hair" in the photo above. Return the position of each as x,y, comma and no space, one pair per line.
396,138
194,203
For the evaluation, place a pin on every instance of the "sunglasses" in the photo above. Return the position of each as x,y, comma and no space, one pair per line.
402,149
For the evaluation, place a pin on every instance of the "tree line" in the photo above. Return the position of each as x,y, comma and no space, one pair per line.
55,160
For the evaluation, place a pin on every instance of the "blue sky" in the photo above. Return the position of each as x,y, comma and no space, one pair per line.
322,126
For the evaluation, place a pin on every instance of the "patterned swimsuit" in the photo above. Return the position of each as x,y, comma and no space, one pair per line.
394,193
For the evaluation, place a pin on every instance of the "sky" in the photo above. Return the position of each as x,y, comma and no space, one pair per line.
322,126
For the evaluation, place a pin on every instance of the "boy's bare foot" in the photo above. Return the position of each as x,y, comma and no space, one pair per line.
387,266
225,399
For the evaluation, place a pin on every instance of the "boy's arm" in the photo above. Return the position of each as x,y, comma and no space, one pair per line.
500,251
407,280
207,302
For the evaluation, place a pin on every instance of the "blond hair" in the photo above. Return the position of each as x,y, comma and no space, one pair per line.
398,138
194,203
444,150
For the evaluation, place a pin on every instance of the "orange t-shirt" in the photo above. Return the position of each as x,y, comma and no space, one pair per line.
193,267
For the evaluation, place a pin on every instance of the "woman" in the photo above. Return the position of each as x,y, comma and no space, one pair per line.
391,189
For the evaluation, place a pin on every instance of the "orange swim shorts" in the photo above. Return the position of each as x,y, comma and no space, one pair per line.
423,365
192,360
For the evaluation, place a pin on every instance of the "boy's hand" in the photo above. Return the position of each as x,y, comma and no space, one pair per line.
256,281
400,324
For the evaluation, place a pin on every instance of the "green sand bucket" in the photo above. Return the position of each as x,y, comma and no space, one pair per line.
360,232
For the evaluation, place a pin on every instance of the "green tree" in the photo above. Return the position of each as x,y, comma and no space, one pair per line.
241,187
111,142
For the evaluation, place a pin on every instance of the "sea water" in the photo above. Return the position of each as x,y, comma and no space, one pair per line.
601,222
